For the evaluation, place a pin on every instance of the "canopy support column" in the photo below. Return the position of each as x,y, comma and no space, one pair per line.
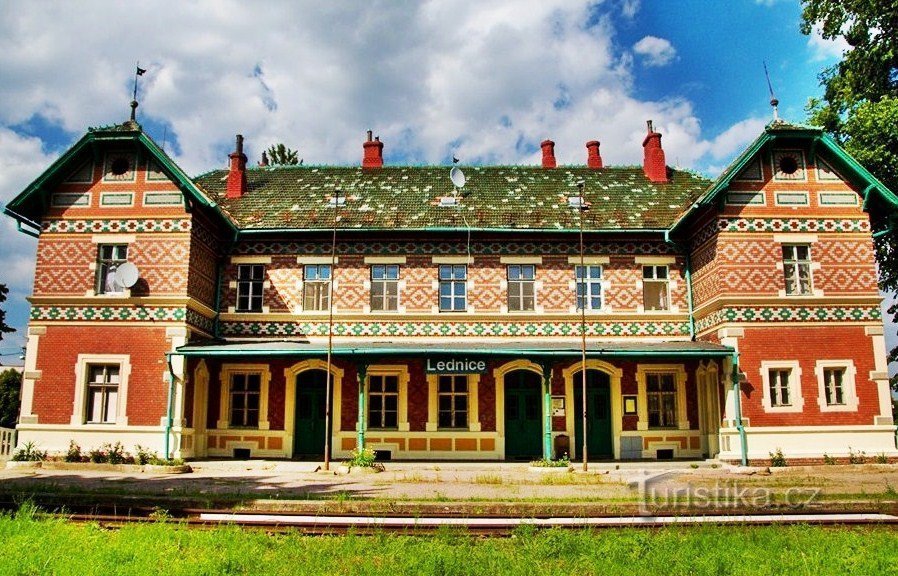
360,419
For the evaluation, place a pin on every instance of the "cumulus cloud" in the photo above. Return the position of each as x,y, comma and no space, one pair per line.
823,49
655,51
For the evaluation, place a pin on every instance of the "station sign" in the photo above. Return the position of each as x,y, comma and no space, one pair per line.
455,366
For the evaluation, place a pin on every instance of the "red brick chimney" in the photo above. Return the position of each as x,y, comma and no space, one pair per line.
653,163
237,174
374,152
548,154
593,158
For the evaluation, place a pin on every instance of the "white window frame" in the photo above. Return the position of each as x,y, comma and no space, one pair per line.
795,393
320,284
654,280
797,263
101,279
82,377
224,411
589,283
251,282
522,283
849,386
454,283
385,281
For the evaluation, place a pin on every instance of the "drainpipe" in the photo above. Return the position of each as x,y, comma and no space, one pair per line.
168,418
737,395
688,275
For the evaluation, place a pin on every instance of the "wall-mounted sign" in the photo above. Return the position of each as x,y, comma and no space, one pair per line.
630,404
557,405
455,366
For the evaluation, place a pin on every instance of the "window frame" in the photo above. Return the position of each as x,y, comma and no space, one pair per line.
322,286
381,302
523,284
454,283
224,406
654,280
453,395
253,287
797,264
383,394
82,383
849,385
796,396
246,393
643,371
104,264
589,282
661,396
105,387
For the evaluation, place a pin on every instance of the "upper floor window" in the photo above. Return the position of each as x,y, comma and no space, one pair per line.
833,386
453,287
250,282
316,287
661,397
109,258
779,383
589,287
521,287
797,269
452,398
385,287
245,395
102,393
383,401
655,288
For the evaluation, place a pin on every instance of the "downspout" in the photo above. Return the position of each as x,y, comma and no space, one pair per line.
737,395
688,275
171,397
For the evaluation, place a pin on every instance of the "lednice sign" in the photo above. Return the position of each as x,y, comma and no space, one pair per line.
455,366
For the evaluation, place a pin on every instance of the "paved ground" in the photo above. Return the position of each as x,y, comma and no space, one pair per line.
281,485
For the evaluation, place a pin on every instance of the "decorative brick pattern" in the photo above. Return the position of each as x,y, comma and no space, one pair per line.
790,314
792,225
98,226
117,313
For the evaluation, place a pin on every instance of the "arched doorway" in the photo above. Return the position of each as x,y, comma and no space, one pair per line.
523,415
309,427
599,439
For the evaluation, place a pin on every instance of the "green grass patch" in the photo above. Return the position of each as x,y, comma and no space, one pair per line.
33,544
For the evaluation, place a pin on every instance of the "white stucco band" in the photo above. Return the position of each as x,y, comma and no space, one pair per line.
809,441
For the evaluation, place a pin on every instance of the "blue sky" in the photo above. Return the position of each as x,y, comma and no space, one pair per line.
486,81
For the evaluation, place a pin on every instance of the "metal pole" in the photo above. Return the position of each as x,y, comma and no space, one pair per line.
330,338
580,186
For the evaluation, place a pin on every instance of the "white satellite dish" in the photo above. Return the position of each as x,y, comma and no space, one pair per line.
127,275
457,177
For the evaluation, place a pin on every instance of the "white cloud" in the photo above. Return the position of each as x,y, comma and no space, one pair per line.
629,8
655,51
822,49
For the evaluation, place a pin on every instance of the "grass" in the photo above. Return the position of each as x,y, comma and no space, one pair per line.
30,544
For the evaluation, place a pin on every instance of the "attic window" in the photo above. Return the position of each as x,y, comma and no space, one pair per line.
448,201
788,164
120,166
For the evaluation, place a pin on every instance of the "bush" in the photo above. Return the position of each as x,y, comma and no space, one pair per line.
856,457
29,453
364,458
828,460
74,453
563,462
777,460
97,456
881,458
144,456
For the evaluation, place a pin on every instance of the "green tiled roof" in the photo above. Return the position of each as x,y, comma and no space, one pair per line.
494,198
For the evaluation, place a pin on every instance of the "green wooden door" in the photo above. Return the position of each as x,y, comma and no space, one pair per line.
309,431
523,415
598,415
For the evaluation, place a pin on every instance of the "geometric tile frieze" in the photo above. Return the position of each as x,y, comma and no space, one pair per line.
109,313
792,225
454,329
791,314
95,226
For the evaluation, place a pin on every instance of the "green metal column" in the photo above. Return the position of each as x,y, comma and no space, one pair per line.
737,396
547,416
360,419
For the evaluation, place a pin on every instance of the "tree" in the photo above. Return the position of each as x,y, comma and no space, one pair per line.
10,385
860,106
3,327
280,155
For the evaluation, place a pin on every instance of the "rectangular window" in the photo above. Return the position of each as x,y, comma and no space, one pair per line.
833,387
661,397
316,287
589,287
245,392
250,281
797,269
779,387
452,398
453,287
109,258
102,393
383,401
655,288
521,287
385,287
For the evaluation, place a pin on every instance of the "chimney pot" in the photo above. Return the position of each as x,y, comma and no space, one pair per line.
653,163
548,154
236,186
593,158
373,156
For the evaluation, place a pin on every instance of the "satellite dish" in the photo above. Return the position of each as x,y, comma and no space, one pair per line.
127,275
457,177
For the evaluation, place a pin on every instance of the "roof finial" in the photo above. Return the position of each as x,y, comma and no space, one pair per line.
139,72
773,101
